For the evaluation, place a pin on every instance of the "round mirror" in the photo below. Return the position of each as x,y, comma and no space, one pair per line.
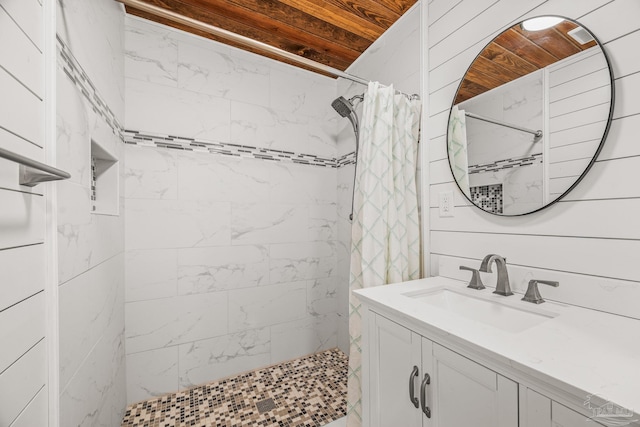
530,116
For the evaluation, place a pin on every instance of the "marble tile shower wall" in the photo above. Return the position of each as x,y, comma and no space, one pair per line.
90,247
231,261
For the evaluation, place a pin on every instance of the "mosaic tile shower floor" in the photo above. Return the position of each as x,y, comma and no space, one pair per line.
307,392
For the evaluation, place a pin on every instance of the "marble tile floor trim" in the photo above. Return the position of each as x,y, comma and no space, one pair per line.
148,139
308,392
74,71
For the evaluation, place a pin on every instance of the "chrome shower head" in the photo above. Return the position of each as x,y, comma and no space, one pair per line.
346,107
342,106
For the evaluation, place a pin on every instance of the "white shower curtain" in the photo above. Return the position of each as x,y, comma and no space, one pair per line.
457,148
385,234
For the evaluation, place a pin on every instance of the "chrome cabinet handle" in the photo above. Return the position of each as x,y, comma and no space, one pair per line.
412,397
423,395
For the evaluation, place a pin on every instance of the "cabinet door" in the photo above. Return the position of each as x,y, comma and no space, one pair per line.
393,353
464,393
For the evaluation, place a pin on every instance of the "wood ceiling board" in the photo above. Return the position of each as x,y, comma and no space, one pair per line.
517,43
339,17
331,32
468,90
552,41
506,59
490,68
210,36
476,76
370,10
273,39
397,6
278,17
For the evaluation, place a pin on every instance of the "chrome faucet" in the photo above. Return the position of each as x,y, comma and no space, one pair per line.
502,285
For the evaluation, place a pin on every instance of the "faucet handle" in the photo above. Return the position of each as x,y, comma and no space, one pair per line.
476,281
533,294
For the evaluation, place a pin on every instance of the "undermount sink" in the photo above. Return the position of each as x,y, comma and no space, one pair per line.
482,309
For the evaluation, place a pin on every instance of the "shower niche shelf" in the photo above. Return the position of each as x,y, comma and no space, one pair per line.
104,181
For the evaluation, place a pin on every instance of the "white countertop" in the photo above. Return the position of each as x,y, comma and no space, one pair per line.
579,351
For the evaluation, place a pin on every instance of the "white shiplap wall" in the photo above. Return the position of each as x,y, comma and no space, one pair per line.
589,241
579,104
23,349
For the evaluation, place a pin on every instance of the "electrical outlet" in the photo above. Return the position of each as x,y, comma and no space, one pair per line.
446,203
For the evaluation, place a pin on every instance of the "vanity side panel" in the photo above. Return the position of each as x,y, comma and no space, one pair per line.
535,409
565,417
549,244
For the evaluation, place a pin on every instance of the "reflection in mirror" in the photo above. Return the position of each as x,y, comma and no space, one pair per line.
530,116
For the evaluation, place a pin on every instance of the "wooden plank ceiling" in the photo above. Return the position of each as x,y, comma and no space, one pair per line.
516,53
332,32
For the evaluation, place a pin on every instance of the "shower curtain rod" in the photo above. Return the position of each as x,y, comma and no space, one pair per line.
245,41
536,133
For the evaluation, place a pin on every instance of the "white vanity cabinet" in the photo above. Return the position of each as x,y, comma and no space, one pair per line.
453,390
489,365
537,410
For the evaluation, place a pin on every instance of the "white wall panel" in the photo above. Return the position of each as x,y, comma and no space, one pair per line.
576,135
438,8
21,112
458,16
23,354
21,219
618,51
21,382
36,413
581,150
557,220
593,79
611,179
437,148
622,141
572,254
627,89
23,272
615,19
29,16
21,57
21,327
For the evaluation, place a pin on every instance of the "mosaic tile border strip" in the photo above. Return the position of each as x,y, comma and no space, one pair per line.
148,139
80,78
506,164
306,392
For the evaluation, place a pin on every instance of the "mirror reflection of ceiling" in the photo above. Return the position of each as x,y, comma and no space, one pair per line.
516,53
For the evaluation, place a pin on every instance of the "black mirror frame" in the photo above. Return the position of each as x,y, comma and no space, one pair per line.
604,134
